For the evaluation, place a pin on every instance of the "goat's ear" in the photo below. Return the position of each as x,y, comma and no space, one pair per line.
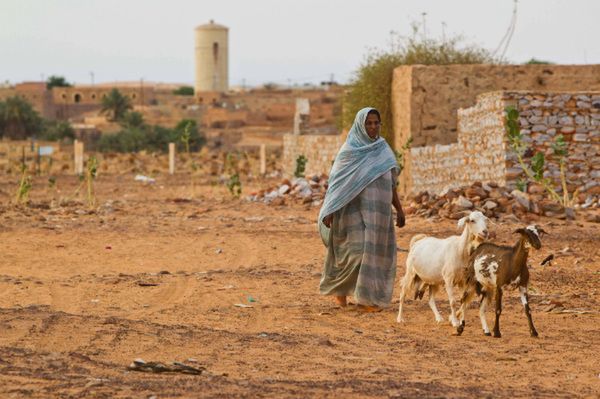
462,221
542,231
520,231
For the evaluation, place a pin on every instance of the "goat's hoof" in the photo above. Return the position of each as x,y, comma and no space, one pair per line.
487,334
534,334
399,320
497,335
460,329
440,320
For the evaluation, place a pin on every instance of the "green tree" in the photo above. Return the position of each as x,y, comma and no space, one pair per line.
372,82
57,131
133,119
115,105
18,119
152,138
184,91
57,81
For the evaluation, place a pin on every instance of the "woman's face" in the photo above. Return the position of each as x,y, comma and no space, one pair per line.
373,126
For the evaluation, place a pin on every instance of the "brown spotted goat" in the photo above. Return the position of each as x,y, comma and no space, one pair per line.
491,269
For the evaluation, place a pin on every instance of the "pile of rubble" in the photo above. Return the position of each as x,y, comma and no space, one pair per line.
309,191
491,199
495,201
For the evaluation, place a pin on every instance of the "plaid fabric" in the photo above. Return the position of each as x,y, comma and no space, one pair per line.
361,252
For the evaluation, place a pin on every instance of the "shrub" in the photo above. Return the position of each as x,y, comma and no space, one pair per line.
58,131
56,81
372,82
152,138
300,166
18,119
184,91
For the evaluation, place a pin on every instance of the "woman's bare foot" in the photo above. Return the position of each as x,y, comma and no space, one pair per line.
341,300
369,309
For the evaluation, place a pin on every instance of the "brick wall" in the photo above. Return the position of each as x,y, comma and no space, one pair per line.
319,149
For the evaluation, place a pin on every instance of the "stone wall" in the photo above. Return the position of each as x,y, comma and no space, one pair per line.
425,99
482,153
478,155
576,116
320,150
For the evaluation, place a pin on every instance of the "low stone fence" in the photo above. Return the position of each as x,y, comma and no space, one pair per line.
320,151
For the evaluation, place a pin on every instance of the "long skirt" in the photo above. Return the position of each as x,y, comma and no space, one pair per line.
361,247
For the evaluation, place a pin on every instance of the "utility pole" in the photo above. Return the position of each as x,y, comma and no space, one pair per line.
142,91
92,77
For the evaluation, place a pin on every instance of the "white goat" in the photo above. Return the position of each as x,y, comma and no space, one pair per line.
433,261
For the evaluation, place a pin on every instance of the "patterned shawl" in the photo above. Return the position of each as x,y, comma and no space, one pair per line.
359,162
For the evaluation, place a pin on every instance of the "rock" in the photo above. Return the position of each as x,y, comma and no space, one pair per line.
567,129
522,198
456,215
592,218
570,213
475,191
278,201
551,206
583,104
462,202
284,189
489,204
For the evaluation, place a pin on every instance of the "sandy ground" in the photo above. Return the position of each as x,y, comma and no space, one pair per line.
150,275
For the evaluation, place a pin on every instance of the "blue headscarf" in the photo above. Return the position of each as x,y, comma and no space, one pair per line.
360,161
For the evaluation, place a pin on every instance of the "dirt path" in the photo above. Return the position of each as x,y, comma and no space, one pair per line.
156,277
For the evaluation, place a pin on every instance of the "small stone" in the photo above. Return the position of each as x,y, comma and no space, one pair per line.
539,128
584,104
284,189
462,202
489,204
592,218
567,129
522,198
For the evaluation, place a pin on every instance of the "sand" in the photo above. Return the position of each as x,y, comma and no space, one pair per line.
156,276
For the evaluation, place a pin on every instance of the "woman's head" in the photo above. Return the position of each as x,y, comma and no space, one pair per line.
373,123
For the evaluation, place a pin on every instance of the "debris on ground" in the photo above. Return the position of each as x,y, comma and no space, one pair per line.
490,198
309,191
156,367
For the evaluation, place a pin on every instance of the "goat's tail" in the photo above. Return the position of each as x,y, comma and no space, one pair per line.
416,238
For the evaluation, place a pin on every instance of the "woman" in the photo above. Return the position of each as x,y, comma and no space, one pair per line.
356,221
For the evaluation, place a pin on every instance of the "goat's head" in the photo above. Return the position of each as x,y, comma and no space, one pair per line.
532,234
476,223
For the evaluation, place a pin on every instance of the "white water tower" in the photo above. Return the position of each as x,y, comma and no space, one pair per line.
212,60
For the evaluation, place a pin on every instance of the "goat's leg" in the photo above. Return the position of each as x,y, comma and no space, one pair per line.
525,301
438,316
464,300
399,319
498,312
450,291
485,299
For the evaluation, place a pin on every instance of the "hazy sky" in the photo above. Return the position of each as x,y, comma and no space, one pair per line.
270,40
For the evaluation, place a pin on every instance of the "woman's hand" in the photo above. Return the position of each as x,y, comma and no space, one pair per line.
400,219
327,220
